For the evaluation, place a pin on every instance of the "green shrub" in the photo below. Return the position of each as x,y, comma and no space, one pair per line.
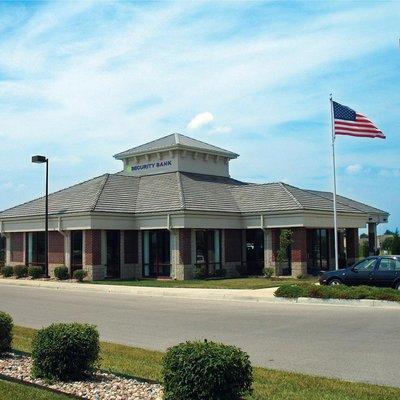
242,270
200,272
35,272
206,371
6,326
301,276
291,291
268,272
7,271
65,351
79,275
20,271
61,273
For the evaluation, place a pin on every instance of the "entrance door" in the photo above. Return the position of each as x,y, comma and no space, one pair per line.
255,251
156,253
113,254
76,250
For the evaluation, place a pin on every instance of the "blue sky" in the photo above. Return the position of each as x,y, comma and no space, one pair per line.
81,81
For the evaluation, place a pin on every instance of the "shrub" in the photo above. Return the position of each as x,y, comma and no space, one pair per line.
6,325
20,271
220,273
291,291
65,351
7,271
268,272
35,272
206,371
241,270
79,275
61,273
301,276
200,272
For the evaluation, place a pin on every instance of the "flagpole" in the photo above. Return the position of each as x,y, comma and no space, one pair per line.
334,186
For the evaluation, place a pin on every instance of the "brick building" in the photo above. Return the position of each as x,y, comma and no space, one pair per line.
174,208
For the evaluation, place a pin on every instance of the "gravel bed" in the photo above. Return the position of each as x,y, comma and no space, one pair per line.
101,386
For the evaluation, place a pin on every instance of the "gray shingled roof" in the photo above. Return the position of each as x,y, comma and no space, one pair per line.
183,191
175,140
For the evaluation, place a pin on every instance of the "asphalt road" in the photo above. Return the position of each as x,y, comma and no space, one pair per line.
356,344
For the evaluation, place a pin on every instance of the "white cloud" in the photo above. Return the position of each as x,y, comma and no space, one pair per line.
200,120
69,160
354,169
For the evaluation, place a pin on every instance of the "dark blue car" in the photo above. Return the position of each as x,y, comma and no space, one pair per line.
381,271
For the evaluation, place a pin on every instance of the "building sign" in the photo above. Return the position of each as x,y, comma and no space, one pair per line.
153,165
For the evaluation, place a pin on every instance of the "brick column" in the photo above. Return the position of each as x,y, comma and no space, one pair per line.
233,251
56,251
351,245
181,254
130,255
16,248
299,252
92,258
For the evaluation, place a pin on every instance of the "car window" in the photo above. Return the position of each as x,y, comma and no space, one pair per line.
387,264
397,266
365,265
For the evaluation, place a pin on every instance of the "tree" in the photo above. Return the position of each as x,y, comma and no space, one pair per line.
363,236
387,244
396,243
364,249
388,232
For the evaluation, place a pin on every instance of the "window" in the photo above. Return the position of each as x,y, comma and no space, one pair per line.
35,248
76,250
387,264
208,249
156,253
365,265
2,249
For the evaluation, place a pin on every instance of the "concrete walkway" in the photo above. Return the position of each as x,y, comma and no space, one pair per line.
256,295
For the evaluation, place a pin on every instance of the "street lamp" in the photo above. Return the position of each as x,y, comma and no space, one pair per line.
41,160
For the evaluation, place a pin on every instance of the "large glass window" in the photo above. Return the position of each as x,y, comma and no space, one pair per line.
208,249
156,253
255,251
319,249
35,248
2,249
76,250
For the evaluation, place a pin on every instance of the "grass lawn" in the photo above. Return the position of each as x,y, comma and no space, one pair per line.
235,283
18,391
268,384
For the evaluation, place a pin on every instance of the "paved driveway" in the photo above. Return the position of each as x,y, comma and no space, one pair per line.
358,344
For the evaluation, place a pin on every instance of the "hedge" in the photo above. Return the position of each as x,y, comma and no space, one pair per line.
66,351
338,292
206,371
6,325
35,272
61,273
7,271
20,271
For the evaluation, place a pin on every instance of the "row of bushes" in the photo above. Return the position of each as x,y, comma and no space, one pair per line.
36,272
191,370
338,292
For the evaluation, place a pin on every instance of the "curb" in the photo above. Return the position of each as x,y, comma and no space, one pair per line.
202,294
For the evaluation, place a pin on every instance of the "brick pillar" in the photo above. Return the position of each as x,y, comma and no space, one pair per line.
17,248
181,254
130,254
233,251
56,248
299,252
92,250
351,245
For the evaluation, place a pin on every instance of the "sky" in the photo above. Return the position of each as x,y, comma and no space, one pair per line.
82,81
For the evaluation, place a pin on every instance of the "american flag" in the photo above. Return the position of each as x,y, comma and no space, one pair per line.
351,123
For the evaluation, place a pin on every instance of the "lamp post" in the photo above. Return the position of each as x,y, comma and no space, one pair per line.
41,160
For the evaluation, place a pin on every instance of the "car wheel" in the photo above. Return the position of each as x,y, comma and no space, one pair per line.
335,282
397,286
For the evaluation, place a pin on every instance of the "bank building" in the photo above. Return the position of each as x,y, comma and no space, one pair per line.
175,208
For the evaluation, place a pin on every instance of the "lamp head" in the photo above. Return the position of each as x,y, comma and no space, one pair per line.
39,159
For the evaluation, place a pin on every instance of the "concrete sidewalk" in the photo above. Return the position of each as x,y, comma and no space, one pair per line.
257,295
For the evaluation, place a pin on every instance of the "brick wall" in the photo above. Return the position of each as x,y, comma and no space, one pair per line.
233,245
185,246
299,246
352,244
17,247
131,247
93,247
56,248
